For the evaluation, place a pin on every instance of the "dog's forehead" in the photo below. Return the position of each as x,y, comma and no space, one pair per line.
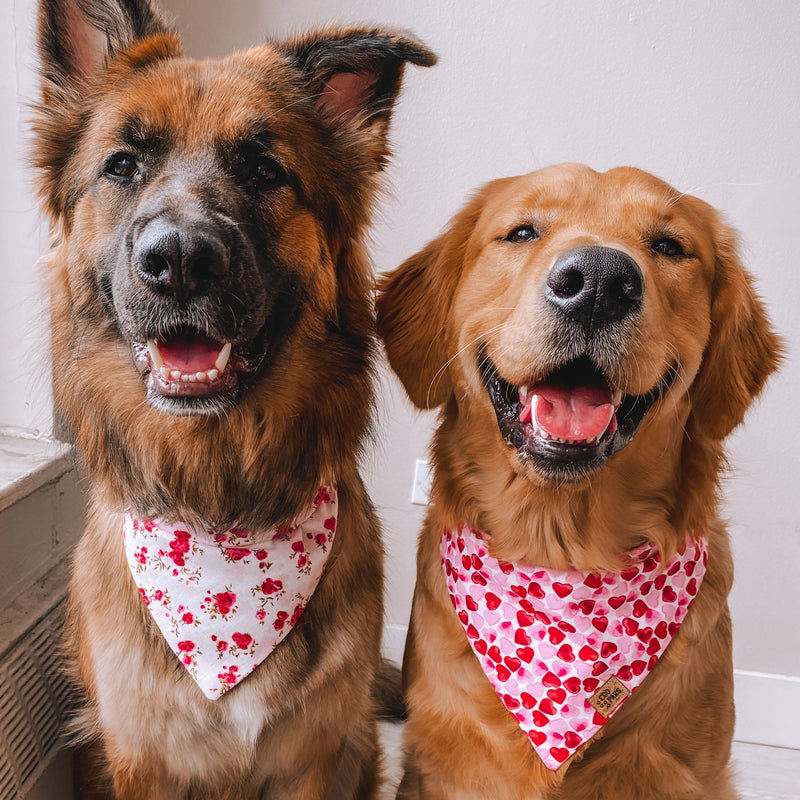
190,101
574,192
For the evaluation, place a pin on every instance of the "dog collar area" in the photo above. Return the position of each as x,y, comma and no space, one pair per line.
564,649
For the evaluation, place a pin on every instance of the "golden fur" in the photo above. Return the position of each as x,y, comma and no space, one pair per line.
117,90
474,294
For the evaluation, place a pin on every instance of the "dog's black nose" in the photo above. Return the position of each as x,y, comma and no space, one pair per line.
595,286
182,259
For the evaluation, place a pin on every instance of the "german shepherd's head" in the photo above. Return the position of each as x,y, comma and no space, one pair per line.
211,296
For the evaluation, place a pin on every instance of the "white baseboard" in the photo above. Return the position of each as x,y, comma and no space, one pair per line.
767,708
767,705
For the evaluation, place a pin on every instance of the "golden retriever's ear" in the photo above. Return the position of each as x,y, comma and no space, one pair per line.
742,349
413,306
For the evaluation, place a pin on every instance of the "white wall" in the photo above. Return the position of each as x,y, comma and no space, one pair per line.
25,385
704,94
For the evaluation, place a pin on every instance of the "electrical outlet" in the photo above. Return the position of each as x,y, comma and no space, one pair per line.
421,488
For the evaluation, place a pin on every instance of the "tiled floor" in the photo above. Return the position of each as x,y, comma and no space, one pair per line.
763,773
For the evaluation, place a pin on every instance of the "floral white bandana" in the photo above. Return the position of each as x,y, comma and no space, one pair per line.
224,601
564,649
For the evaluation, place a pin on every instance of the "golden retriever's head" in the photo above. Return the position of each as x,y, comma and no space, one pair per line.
563,310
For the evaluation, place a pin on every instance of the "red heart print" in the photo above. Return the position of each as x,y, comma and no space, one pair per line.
494,654
513,663
565,626
594,580
600,622
519,591
598,668
608,649
505,567
537,737
586,606
492,601
639,608
573,684
630,625
590,684
476,577
542,617
535,590
524,619
572,740
481,647
550,680
502,673
587,653
521,636
661,630
526,654
546,706
562,589
510,702
557,695
638,667
528,700
559,753
565,653
555,635
691,587
472,605
624,673
669,595
616,601
539,719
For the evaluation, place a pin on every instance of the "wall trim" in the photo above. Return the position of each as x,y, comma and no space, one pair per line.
767,704
767,708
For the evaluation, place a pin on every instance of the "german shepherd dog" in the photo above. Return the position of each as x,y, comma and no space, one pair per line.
212,340
591,339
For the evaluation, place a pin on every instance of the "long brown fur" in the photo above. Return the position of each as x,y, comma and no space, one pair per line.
469,294
303,724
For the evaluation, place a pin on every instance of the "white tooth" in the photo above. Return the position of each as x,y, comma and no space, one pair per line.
523,393
616,398
155,354
201,376
189,378
175,374
213,374
222,358
164,373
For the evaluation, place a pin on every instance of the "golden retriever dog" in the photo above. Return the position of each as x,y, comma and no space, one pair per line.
212,343
591,339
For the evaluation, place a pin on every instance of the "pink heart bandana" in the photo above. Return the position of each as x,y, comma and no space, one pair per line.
564,649
224,601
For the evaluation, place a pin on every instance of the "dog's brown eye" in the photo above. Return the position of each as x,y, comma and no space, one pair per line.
269,175
524,233
122,166
667,246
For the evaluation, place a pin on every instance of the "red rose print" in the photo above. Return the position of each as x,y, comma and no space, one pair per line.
237,553
242,640
262,555
298,547
223,602
158,594
302,561
229,676
186,647
321,539
260,614
187,618
298,610
222,646
271,586
322,497
330,524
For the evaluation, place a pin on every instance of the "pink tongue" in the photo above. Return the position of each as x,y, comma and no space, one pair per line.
190,354
582,412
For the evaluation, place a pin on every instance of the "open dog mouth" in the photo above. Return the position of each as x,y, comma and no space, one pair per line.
189,372
569,422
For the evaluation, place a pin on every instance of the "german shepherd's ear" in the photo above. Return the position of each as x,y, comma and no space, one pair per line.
76,37
354,74
413,308
742,350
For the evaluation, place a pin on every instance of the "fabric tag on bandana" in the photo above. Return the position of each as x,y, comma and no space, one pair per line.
564,649
224,601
